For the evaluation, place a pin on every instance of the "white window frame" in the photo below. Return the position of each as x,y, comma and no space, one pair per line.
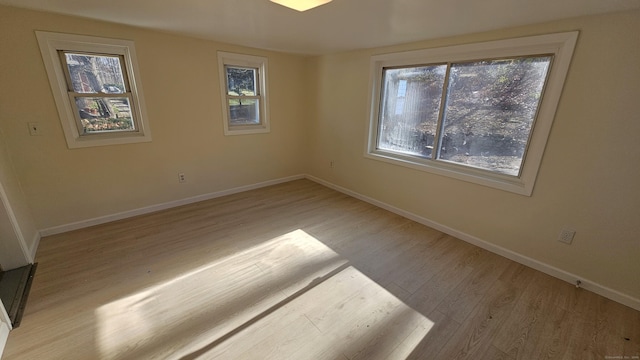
560,45
249,61
51,44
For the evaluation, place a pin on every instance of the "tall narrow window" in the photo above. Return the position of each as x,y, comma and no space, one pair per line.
479,112
244,95
96,88
243,98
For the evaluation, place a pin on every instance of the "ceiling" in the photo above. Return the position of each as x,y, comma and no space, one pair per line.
338,26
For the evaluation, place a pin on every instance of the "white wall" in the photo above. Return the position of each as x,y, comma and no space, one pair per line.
589,175
180,80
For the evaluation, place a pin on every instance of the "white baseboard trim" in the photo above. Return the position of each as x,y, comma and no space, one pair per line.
599,289
153,208
519,258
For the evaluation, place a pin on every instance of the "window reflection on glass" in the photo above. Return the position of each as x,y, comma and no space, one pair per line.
241,81
98,88
411,103
95,73
244,111
243,97
104,114
489,112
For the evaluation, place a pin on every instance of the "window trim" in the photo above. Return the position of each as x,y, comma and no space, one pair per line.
248,61
51,44
560,45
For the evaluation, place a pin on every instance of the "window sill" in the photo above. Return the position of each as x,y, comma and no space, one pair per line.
244,130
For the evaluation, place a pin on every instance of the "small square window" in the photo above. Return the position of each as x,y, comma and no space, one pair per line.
244,93
96,88
99,93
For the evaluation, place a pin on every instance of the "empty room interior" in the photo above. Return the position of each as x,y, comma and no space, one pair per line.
359,179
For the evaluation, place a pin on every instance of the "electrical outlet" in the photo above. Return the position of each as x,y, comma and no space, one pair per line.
566,235
182,178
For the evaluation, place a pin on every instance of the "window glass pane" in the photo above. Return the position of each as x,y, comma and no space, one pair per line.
244,111
241,81
489,112
410,105
95,73
104,114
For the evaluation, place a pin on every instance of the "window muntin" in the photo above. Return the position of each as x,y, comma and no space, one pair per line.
493,113
244,95
97,89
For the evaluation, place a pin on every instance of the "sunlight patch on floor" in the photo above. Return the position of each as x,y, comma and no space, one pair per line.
289,296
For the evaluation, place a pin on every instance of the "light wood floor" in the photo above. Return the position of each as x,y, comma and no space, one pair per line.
299,271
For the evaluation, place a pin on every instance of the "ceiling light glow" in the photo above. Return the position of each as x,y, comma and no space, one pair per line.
301,5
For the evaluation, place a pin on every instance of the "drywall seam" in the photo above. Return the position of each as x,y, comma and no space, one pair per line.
599,289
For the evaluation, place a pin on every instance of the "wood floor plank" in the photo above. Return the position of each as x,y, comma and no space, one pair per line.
395,261
630,324
481,326
454,270
461,301
299,271
427,341
474,336
284,343
382,343
494,353
602,329
524,329
556,331
428,262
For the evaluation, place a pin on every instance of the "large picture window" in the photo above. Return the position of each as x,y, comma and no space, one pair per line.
96,88
479,113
